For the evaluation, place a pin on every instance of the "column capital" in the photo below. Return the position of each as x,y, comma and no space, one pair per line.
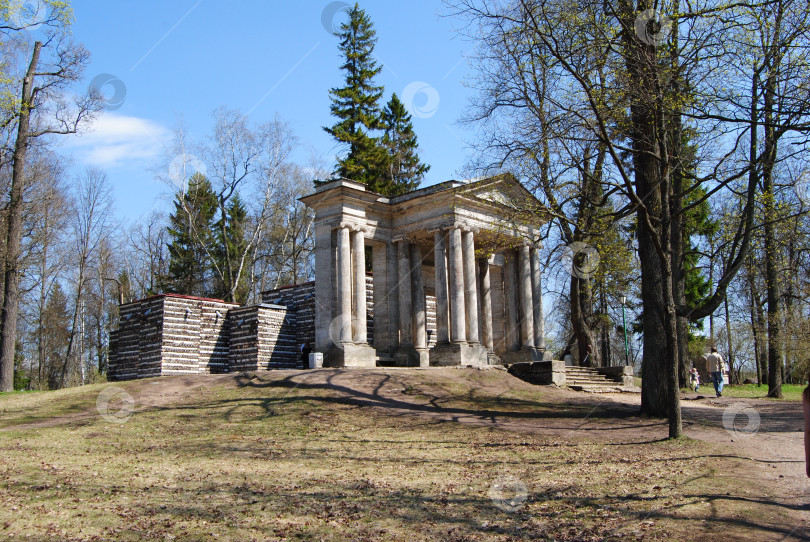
352,226
466,227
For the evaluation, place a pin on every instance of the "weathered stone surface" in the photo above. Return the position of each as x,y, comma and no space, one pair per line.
454,354
540,372
622,374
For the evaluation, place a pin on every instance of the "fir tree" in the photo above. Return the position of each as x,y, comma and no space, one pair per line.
230,246
404,170
191,230
356,105
56,323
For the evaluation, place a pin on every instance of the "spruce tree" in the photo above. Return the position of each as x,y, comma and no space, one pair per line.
403,169
56,324
191,230
356,105
230,246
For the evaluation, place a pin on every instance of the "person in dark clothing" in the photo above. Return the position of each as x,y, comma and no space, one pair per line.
305,350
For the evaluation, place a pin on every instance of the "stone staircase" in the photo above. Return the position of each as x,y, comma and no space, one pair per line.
590,380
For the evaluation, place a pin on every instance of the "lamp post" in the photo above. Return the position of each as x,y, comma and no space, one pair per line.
623,300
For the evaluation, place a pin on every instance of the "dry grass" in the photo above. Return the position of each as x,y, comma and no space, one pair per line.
276,461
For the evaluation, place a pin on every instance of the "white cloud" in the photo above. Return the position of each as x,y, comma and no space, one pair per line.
113,140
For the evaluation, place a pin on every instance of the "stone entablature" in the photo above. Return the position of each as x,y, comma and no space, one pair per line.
468,233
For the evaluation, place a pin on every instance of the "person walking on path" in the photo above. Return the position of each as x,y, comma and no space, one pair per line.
715,363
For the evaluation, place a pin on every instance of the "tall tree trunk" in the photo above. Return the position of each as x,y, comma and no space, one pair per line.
581,314
660,395
730,348
11,291
762,331
755,322
679,277
677,235
771,248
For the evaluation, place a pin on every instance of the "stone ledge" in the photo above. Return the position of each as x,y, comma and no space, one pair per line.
622,374
540,372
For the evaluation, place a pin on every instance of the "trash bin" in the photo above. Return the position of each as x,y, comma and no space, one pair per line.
315,360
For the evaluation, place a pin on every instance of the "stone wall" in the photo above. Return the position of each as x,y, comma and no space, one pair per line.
136,347
263,337
300,301
173,334
170,334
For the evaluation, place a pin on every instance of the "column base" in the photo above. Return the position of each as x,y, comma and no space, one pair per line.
493,359
458,354
525,354
351,355
410,356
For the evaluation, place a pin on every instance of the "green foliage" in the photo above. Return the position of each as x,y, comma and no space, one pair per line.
697,223
191,230
404,169
56,323
356,104
388,165
230,244
207,244
54,14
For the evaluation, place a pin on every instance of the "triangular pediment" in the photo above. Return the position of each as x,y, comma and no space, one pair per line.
502,190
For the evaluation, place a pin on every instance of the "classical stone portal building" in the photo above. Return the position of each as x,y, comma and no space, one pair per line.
441,276
469,249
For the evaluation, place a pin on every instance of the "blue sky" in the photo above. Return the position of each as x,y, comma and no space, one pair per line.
184,58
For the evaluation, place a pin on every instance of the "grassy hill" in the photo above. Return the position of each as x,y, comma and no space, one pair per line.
362,455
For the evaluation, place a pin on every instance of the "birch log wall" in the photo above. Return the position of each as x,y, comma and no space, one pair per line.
174,334
171,334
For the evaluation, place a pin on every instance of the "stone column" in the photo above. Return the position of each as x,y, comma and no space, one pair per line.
526,304
360,308
470,286
442,315
510,301
404,288
456,276
486,305
537,297
324,286
419,301
344,286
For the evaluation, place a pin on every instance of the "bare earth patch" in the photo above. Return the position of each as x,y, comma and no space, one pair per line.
387,454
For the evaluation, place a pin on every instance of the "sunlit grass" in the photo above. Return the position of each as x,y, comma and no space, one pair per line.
276,461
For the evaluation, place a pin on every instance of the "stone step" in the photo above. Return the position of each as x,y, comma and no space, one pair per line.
585,376
589,379
605,389
575,380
